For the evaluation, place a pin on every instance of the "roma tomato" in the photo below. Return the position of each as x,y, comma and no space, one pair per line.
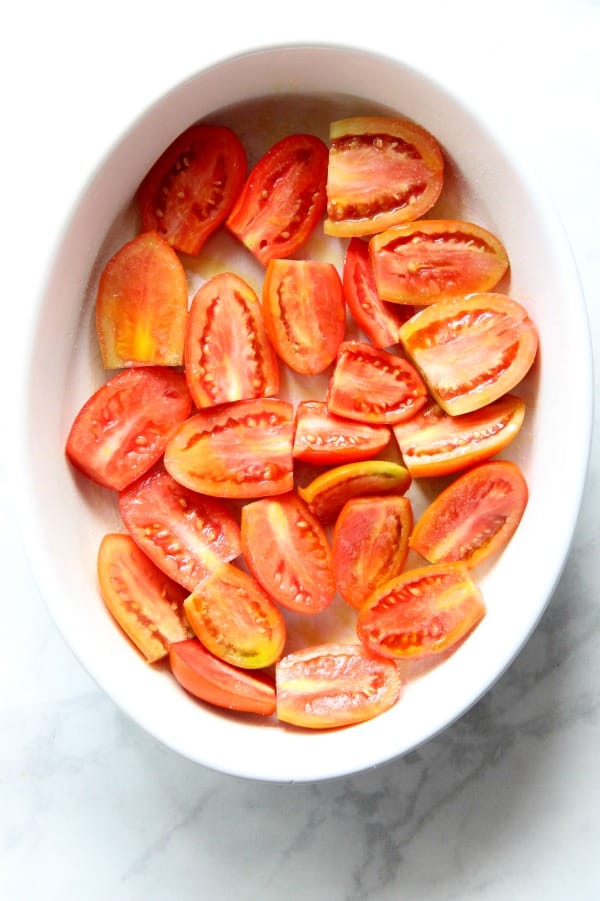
334,685
141,305
305,314
146,604
422,612
327,493
474,517
240,450
123,428
471,350
382,171
374,386
193,185
370,544
219,683
228,355
324,439
282,199
177,527
422,262
288,551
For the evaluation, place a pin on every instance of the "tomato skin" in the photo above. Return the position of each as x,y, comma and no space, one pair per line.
141,305
146,604
372,385
334,685
327,493
305,313
370,544
426,261
433,443
382,171
190,190
219,683
471,350
474,517
282,199
421,613
228,355
324,439
123,428
288,552
240,450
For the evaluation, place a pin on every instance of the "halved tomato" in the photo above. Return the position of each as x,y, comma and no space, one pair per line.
382,171
422,612
123,428
474,517
327,493
433,443
282,199
239,450
228,355
322,438
372,385
305,313
146,604
192,187
471,350
334,685
219,683
370,544
288,551
142,305
422,262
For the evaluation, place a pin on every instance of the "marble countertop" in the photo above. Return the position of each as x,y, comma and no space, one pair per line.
506,802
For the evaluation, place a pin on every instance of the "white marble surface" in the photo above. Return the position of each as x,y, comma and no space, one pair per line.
505,803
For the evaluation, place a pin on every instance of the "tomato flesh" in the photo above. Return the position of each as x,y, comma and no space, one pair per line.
327,493
322,438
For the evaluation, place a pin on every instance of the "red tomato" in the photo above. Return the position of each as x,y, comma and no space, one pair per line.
322,438
141,305
380,321
145,603
334,685
372,385
123,428
240,450
219,683
193,185
228,355
421,612
287,549
422,262
329,491
370,544
382,171
474,517
433,443
235,619
471,350
176,527
305,314
282,199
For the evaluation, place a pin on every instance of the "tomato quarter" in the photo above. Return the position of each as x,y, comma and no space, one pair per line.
327,493
322,438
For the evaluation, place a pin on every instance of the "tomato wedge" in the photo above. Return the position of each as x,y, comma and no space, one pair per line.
327,493
288,551
370,544
219,683
146,604
322,438
426,261
382,171
282,199
228,355
305,313
141,305
474,517
192,187
471,350
123,428
240,450
334,685
372,385
422,612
